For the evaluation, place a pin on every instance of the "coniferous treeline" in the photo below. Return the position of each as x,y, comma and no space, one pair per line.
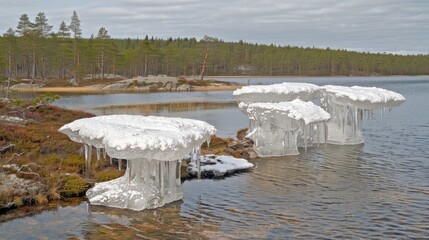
35,50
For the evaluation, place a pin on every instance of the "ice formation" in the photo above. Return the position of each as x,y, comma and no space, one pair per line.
280,92
218,166
153,146
350,106
280,128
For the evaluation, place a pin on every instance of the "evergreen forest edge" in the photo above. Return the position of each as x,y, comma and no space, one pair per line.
34,51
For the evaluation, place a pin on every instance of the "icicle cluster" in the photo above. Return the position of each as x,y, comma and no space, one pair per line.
280,128
153,148
277,127
351,106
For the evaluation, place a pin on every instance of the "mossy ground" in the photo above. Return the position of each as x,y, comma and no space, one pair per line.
41,153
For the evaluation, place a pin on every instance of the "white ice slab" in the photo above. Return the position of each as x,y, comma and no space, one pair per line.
280,92
131,137
363,97
297,109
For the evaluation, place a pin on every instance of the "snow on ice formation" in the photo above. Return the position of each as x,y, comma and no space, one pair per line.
350,106
280,92
153,146
280,128
218,166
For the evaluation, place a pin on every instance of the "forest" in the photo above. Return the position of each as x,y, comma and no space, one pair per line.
34,50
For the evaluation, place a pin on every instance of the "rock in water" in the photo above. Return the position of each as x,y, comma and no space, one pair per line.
213,166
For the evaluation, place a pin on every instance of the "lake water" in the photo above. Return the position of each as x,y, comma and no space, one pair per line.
376,190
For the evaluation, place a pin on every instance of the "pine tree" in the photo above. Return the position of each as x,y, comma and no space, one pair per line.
10,42
77,33
24,30
41,30
63,35
102,36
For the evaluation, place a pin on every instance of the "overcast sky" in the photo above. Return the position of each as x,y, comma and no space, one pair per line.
394,26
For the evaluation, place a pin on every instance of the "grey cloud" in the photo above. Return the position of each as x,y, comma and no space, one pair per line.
367,25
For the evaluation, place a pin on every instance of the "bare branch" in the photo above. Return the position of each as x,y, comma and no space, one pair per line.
7,147
28,167
13,155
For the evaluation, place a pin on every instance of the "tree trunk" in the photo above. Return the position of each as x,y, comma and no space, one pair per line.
102,65
9,78
42,72
203,68
33,72
76,63
145,65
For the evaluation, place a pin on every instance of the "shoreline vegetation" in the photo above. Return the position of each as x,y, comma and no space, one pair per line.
41,168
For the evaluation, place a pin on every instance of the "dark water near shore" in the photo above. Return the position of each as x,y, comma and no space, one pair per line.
376,190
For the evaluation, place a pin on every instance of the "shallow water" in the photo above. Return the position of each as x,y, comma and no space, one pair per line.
376,190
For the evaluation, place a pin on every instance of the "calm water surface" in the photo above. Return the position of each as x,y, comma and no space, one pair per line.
376,190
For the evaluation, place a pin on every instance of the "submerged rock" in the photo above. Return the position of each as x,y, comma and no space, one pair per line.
213,166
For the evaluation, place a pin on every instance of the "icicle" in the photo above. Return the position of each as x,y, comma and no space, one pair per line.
355,113
129,171
98,153
111,160
198,163
208,142
104,153
305,138
325,126
88,156
344,116
120,164
284,140
178,172
361,115
161,176
318,134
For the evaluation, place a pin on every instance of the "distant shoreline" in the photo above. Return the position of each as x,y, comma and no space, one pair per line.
194,88
89,89
302,76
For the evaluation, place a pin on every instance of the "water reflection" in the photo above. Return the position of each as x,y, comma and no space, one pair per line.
162,107
225,116
165,222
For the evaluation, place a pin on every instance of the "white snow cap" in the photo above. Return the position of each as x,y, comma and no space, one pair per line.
296,109
285,91
364,97
130,136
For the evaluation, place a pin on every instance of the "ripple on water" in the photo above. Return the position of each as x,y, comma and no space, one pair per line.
372,191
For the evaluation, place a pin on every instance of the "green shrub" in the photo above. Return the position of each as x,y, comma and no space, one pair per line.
108,174
73,186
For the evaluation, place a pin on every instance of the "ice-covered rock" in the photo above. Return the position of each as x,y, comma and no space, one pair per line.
276,128
132,137
218,166
280,92
153,147
351,106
